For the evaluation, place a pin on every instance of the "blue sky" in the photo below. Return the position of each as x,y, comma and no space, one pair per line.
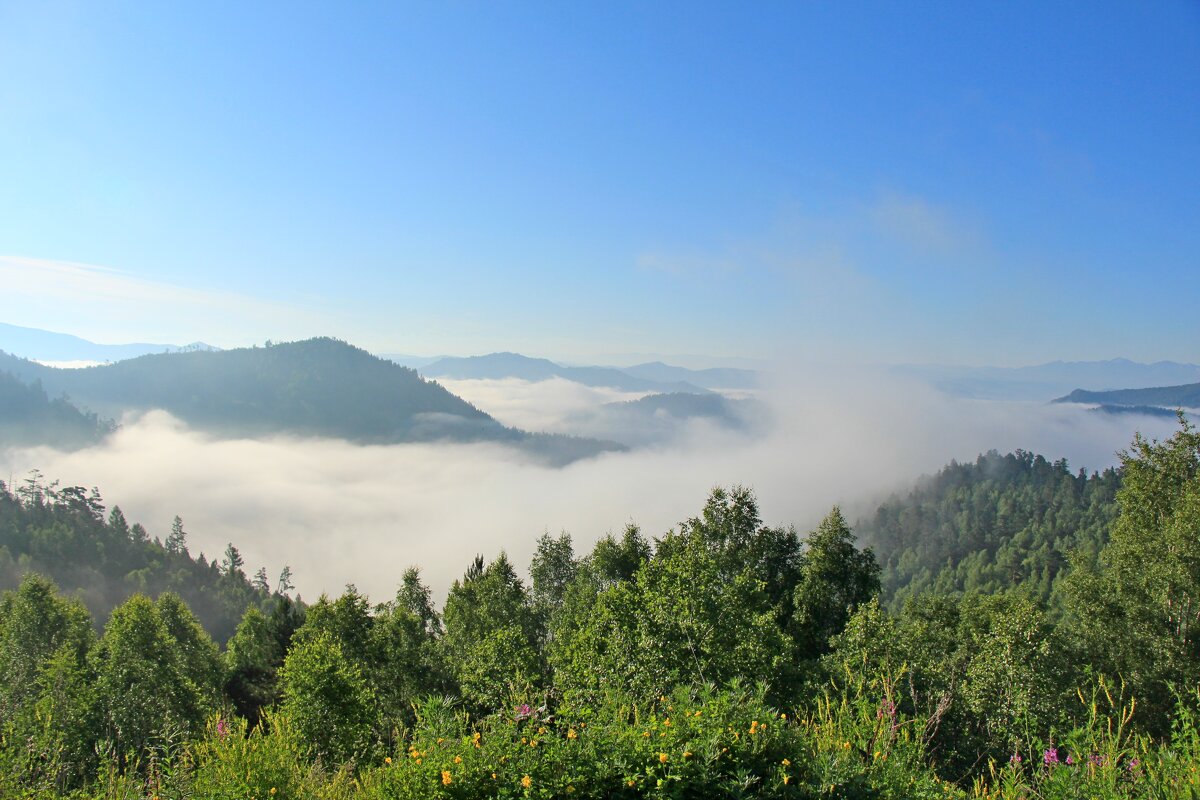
1003,183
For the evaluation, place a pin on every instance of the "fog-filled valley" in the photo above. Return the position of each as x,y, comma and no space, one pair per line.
599,401
340,512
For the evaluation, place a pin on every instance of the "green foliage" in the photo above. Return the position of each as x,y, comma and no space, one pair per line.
328,702
491,641
835,578
1138,612
145,693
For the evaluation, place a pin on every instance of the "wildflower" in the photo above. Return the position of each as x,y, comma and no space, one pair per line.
387,760
1070,760
570,789
645,734
272,791
524,711
1015,758
446,779
493,776
783,716
629,782
1050,756
662,758
527,781
533,742
667,722
571,734
786,780
222,729
440,740
845,745
458,759
687,753
787,762
542,730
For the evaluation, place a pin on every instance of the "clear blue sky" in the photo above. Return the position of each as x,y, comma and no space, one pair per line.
1000,183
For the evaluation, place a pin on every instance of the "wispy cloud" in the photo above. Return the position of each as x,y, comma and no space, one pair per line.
927,228
108,304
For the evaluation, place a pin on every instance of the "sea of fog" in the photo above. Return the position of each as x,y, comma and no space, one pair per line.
340,513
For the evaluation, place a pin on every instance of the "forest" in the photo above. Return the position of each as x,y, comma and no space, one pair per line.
1013,630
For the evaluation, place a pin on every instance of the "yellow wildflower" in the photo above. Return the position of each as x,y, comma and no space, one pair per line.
533,742
387,760
541,730
571,734
662,758
786,762
667,722
687,753
629,782
527,781
845,745
446,779
458,759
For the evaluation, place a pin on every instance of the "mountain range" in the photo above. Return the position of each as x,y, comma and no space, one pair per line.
41,345
653,377
1161,397
319,387
1047,381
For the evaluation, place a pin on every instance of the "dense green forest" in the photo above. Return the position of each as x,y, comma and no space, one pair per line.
318,387
96,555
725,658
1000,522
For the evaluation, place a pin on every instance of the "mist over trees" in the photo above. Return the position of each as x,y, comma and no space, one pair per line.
723,658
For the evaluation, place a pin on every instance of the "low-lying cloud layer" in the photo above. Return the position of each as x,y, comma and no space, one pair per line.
339,513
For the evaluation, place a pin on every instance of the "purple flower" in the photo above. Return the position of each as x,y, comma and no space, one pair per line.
524,711
222,730
1070,760
1095,759
1050,756
1015,758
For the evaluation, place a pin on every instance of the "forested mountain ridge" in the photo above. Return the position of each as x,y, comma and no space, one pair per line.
999,522
318,387
1183,396
29,417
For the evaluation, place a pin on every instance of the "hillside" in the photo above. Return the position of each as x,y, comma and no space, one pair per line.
102,559
999,522
1185,396
319,387
29,417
